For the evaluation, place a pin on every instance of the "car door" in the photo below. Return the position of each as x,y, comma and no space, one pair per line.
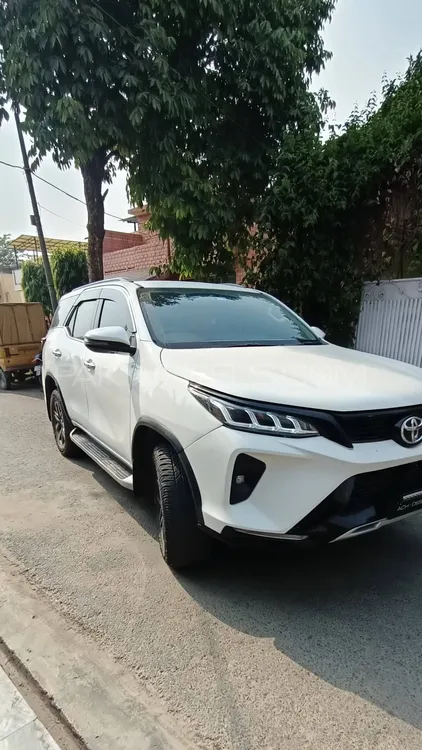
56,345
71,354
109,378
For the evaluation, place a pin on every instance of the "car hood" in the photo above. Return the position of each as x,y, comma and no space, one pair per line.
320,377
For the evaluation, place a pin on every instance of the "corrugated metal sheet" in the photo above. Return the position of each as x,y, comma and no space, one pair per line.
390,322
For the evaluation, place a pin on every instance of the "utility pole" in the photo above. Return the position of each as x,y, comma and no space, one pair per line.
37,218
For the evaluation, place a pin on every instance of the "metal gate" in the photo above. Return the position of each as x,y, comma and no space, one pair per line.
390,322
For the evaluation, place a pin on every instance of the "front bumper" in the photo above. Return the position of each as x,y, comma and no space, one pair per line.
311,488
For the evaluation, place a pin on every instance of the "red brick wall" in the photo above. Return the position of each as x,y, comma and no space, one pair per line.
114,241
239,274
139,251
152,252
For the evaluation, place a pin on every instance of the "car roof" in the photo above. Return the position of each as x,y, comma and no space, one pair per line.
188,285
157,284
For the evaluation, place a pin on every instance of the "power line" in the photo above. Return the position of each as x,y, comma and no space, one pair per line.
69,195
59,189
14,166
76,224
43,208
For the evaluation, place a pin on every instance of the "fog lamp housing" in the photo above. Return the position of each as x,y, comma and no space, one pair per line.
247,472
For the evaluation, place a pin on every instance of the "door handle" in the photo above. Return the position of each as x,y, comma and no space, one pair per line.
90,365
57,353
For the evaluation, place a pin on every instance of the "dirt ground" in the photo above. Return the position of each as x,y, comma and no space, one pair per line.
290,650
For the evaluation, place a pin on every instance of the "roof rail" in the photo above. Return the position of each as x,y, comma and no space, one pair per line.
108,280
102,281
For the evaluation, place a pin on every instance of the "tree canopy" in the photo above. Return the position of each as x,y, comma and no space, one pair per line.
7,254
234,81
70,68
194,95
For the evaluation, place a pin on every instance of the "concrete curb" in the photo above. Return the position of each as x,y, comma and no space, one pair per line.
104,705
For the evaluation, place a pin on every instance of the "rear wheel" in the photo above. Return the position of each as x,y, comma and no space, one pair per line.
5,380
62,426
181,541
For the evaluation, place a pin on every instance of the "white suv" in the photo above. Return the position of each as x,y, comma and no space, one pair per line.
232,413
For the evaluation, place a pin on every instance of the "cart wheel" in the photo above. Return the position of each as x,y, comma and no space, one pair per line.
5,380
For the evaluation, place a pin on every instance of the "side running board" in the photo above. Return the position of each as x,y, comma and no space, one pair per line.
111,465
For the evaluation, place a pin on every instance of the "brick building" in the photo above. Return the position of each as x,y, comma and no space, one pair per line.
134,254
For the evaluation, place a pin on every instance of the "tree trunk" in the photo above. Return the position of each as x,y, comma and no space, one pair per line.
93,177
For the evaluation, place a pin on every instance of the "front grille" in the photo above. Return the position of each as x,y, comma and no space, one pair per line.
377,487
369,426
364,499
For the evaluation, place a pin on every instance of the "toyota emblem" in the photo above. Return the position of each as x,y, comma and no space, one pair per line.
411,430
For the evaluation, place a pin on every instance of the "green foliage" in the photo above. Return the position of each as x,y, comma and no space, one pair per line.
194,94
349,209
233,79
7,254
70,269
34,284
67,65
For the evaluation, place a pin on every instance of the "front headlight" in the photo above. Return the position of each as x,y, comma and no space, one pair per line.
243,417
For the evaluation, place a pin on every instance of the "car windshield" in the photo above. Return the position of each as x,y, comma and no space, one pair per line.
204,318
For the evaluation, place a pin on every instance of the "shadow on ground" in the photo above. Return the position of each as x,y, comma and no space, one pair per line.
29,388
142,511
350,613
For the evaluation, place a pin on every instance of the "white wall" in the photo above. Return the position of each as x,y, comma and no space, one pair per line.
390,322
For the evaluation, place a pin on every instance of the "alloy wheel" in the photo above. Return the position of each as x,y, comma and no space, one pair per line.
59,425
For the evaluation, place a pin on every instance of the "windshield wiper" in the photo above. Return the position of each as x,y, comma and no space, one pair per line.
308,342
255,344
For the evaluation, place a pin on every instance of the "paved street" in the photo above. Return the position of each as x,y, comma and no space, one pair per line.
293,650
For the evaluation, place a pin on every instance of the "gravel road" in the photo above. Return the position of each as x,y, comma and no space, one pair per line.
289,650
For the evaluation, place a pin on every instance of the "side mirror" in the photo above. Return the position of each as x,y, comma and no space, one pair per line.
317,331
109,339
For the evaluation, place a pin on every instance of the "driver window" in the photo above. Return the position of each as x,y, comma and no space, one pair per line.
115,312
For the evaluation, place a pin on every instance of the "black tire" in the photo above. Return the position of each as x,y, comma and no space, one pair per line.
182,543
5,380
62,426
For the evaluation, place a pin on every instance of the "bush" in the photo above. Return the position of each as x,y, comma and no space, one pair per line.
34,284
69,268
345,210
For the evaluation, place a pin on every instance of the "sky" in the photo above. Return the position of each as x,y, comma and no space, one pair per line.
367,38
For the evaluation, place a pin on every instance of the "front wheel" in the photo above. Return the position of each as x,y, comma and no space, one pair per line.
5,380
181,541
62,426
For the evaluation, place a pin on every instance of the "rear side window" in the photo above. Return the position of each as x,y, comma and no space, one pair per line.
62,311
82,319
